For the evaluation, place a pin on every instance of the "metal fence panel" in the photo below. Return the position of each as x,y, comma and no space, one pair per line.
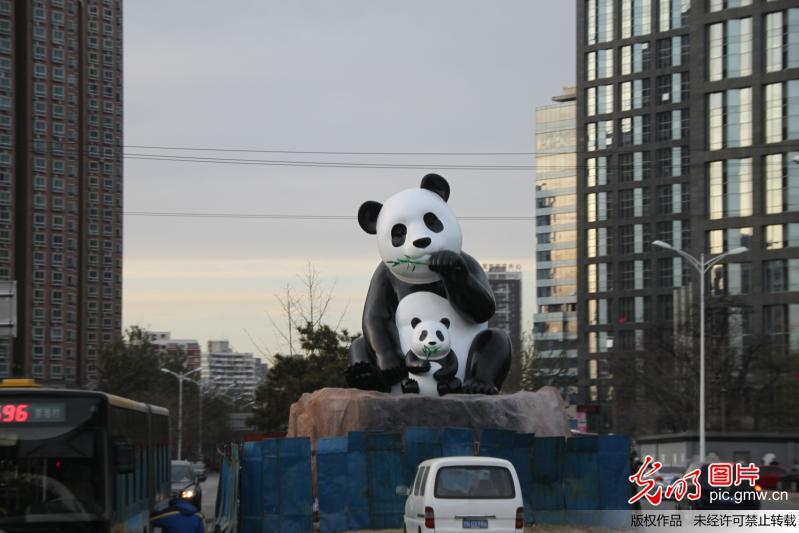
614,472
332,484
522,463
357,482
420,444
384,459
457,442
581,477
546,471
251,508
497,443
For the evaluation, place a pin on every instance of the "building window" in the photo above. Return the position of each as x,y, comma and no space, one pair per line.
731,279
599,20
781,326
673,14
597,171
730,187
781,275
730,118
782,111
596,206
600,64
720,5
723,240
600,135
672,52
782,183
598,279
636,18
634,58
634,94
778,236
598,242
730,44
782,40
599,100
634,130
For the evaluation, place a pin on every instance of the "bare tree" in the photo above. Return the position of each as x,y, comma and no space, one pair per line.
305,307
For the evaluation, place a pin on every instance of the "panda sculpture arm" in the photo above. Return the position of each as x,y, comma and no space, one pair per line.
449,367
379,326
416,365
466,284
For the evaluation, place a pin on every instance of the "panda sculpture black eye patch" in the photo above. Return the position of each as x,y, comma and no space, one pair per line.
433,223
440,336
423,336
398,233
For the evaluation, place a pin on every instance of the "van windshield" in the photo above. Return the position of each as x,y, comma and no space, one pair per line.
474,482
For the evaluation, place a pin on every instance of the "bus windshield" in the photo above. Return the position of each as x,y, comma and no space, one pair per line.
51,459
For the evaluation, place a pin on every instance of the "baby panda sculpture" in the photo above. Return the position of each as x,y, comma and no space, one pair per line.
424,273
431,343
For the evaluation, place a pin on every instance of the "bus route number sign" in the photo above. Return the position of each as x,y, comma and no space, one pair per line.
21,413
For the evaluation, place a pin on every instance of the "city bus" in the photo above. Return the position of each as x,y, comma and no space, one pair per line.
75,460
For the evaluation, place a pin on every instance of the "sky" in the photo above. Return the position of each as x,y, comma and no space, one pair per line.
419,76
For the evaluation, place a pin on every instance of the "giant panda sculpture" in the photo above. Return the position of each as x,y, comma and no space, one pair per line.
423,272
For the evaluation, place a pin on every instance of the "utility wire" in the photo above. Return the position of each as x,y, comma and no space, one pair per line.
286,216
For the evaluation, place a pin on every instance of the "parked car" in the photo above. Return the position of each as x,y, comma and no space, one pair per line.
186,484
667,475
739,497
199,469
457,493
770,476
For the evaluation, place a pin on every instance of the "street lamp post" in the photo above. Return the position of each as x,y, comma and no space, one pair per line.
702,267
200,421
181,377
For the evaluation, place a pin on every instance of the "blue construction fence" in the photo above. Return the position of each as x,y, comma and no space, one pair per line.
357,476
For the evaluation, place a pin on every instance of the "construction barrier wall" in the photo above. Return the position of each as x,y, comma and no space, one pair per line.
563,480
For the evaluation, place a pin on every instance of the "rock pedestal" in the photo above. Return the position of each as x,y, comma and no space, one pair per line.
335,412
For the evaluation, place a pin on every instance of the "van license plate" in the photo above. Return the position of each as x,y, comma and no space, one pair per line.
475,524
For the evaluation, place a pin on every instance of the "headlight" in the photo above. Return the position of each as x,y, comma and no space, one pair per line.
187,494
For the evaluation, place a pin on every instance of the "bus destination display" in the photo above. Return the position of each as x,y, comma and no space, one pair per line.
21,413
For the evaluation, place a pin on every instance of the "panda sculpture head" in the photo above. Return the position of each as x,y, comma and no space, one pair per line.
411,226
431,340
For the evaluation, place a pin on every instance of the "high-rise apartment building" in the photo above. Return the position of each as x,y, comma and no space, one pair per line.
506,282
555,319
687,125
61,183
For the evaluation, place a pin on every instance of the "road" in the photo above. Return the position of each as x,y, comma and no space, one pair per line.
209,494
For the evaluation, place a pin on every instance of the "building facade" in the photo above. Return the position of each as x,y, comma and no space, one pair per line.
506,283
687,124
163,342
226,368
61,183
555,318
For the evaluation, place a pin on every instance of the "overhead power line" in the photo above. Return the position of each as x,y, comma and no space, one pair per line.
287,216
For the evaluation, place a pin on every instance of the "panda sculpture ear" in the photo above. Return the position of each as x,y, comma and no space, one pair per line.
367,216
415,322
445,321
436,184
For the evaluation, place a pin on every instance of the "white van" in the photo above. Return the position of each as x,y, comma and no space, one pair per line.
464,494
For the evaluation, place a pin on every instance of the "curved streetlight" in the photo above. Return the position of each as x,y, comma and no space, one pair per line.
702,266
181,377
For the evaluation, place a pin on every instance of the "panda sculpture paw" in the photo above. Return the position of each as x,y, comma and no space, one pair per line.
473,386
452,386
410,386
364,376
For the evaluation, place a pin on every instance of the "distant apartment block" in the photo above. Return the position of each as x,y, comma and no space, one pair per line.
61,183
226,368
165,344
